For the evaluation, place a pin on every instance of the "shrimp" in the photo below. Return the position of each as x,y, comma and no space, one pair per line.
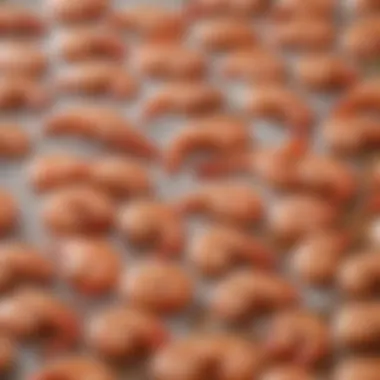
361,40
20,92
101,124
259,293
30,312
152,223
9,212
219,249
280,102
90,266
98,78
14,141
221,134
224,34
296,216
83,44
229,202
199,357
22,58
157,286
257,65
19,21
150,22
78,209
299,336
125,334
22,264
184,98
151,59
326,72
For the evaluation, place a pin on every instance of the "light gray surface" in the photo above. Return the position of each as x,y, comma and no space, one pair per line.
13,176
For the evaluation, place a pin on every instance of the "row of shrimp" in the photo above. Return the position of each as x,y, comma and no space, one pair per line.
96,52
298,341
323,71
349,128
308,223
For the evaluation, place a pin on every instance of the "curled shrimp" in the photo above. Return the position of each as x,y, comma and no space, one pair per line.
14,141
78,209
91,43
121,177
71,11
20,92
199,356
257,65
259,293
228,202
219,249
359,275
90,266
152,223
361,99
280,102
184,98
152,60
325,72
51,172
19,21
158,287
98,78
305,33
361,39
22,264
151,22
73,368
220,134
296,216
22,58
30,312
299,336
317,258
327,176
353,115
224,34
347,330
351,134
103,125
124,334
